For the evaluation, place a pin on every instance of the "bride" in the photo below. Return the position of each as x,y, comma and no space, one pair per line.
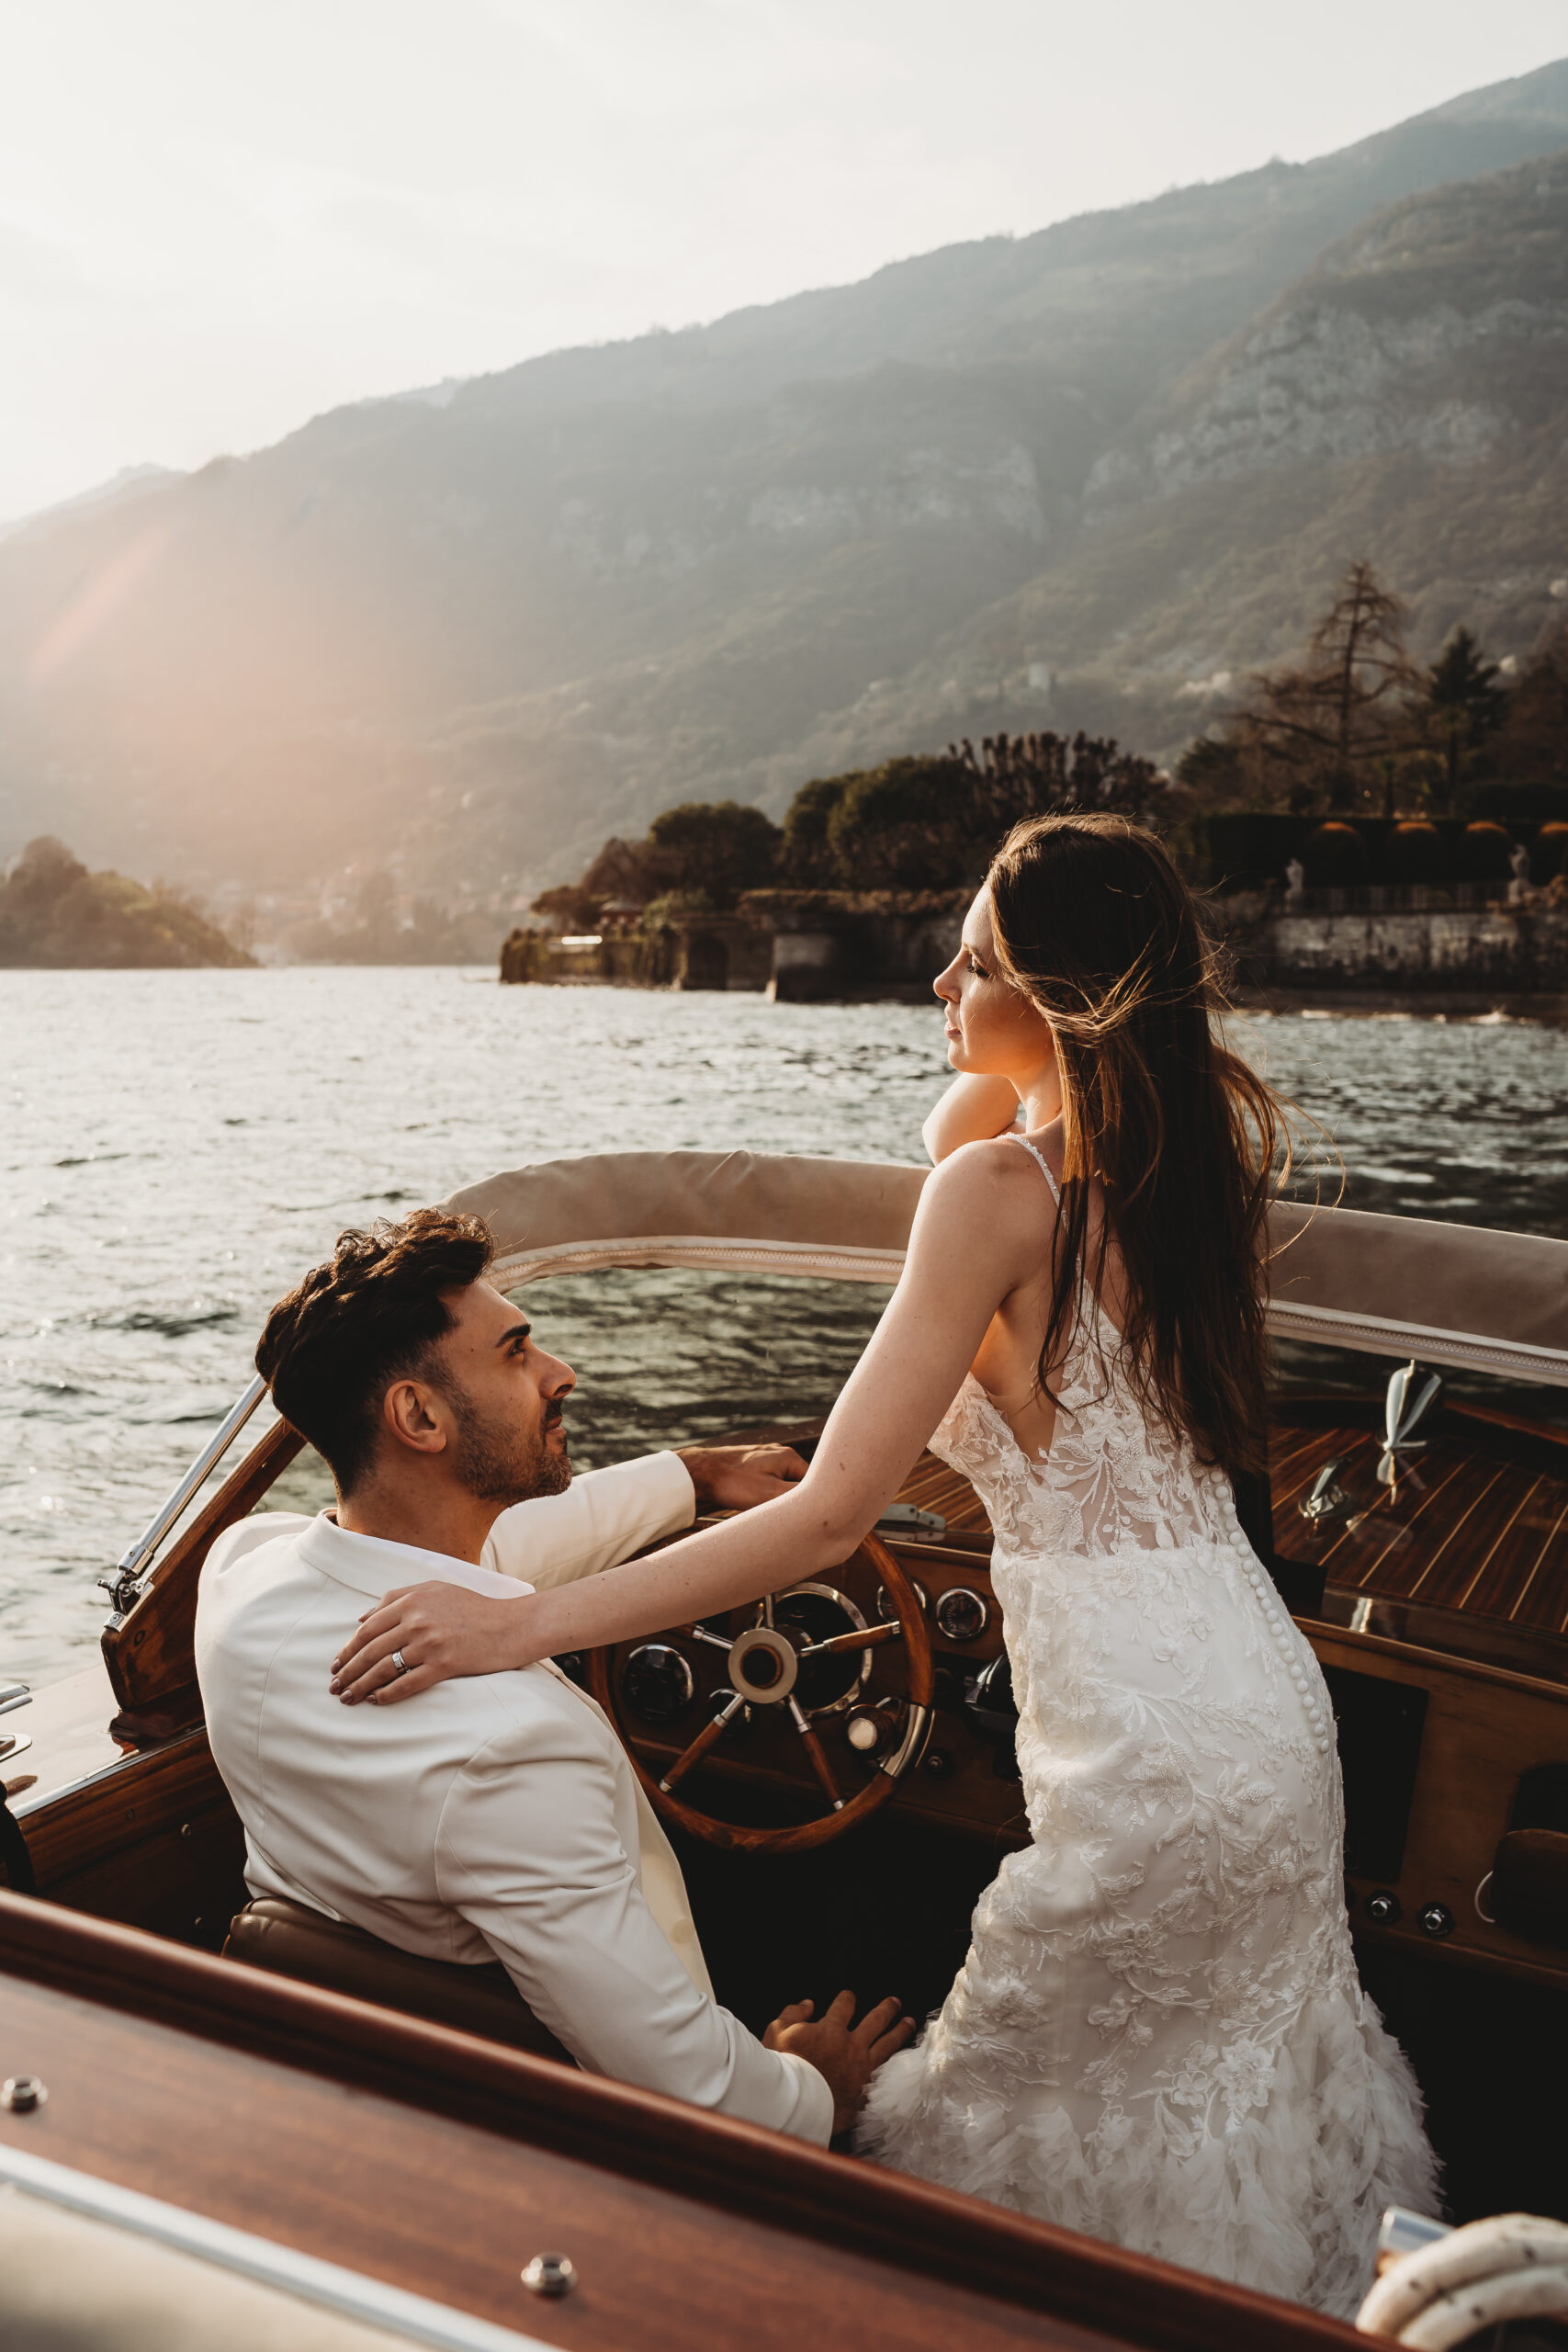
1158,2036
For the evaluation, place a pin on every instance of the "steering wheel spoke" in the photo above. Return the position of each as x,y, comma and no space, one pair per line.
709,1737
817,1752
702,1634
866,1638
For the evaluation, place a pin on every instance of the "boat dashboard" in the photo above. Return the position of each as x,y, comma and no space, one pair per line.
1440,1630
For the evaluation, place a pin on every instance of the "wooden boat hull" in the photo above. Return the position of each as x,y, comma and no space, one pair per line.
442,2164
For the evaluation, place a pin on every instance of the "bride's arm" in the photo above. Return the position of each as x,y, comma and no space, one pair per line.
980,1229
972,1111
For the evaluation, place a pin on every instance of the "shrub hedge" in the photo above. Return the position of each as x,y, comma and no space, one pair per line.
1244,848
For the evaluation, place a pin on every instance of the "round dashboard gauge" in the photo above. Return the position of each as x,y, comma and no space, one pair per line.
657,1683
810,1613
962,1615
884,1603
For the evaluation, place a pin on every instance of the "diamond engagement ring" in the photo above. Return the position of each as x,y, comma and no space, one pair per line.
400,1661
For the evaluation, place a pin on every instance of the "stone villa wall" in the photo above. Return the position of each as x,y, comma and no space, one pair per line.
812,946
1516,951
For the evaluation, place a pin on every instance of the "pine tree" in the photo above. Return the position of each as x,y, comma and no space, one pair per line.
1461,702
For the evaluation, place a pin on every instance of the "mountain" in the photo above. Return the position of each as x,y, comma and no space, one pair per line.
130,483
1406,400
1066,477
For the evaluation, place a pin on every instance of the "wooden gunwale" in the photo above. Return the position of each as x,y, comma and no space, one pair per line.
97,1817
729,2168
1421,1659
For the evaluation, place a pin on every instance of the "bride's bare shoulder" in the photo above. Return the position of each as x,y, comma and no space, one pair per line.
995,1179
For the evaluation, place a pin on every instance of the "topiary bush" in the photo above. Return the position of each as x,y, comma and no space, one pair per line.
1487,848
1413,854
907,826
1550,852
806,859
1335,857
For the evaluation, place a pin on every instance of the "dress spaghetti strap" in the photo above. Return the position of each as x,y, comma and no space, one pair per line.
1040,1155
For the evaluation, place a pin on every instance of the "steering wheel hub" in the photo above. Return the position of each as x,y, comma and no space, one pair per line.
763,1666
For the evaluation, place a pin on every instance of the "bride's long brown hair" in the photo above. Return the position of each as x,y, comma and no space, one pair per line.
1094,924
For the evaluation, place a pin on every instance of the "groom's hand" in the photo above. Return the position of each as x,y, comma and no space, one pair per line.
733,1477
846,2055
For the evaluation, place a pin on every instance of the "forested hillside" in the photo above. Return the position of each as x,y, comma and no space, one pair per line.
1072,478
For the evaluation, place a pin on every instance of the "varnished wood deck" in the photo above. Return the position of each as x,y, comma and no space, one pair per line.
936,1487
1477,1522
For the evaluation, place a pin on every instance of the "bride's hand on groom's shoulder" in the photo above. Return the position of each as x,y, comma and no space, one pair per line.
437,1631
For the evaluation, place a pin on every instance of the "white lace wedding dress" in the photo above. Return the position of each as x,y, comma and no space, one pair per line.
1159,2037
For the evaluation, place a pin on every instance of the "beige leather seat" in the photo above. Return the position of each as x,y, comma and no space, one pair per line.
292,1940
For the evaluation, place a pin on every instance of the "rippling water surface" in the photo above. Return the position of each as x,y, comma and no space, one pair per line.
177,1147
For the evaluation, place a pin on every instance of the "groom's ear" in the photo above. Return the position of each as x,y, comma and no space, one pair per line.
415,1415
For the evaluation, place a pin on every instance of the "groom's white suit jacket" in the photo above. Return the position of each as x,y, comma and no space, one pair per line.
494,1816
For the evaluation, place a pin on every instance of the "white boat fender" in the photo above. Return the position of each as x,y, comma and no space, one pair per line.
1512,2265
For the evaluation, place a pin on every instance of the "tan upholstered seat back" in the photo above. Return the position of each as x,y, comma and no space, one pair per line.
292,1940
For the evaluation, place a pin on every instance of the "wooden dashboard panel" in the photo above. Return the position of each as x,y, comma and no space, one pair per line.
1475,1698
157,1841
963,1781
1484,1729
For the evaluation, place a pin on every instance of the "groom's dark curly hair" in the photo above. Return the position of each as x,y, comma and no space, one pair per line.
373,1313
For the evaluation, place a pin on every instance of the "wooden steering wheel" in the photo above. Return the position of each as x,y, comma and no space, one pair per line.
765,1661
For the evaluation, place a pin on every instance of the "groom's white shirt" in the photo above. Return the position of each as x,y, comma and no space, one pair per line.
494,1816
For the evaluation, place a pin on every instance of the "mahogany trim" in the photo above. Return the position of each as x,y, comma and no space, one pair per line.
1423,1663
735,2167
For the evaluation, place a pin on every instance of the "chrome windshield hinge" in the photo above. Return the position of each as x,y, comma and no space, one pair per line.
123,1585
915,1525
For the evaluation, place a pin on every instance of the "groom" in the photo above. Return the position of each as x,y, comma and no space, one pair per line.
498,1816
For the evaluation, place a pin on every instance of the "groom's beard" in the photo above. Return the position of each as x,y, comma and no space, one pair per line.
499,1463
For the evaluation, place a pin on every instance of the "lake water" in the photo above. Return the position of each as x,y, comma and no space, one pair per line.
177,1147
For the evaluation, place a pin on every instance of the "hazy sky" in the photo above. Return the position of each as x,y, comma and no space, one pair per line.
217,217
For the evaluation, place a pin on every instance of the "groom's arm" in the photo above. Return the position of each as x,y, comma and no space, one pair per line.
603,1517
606,1515
529,1852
